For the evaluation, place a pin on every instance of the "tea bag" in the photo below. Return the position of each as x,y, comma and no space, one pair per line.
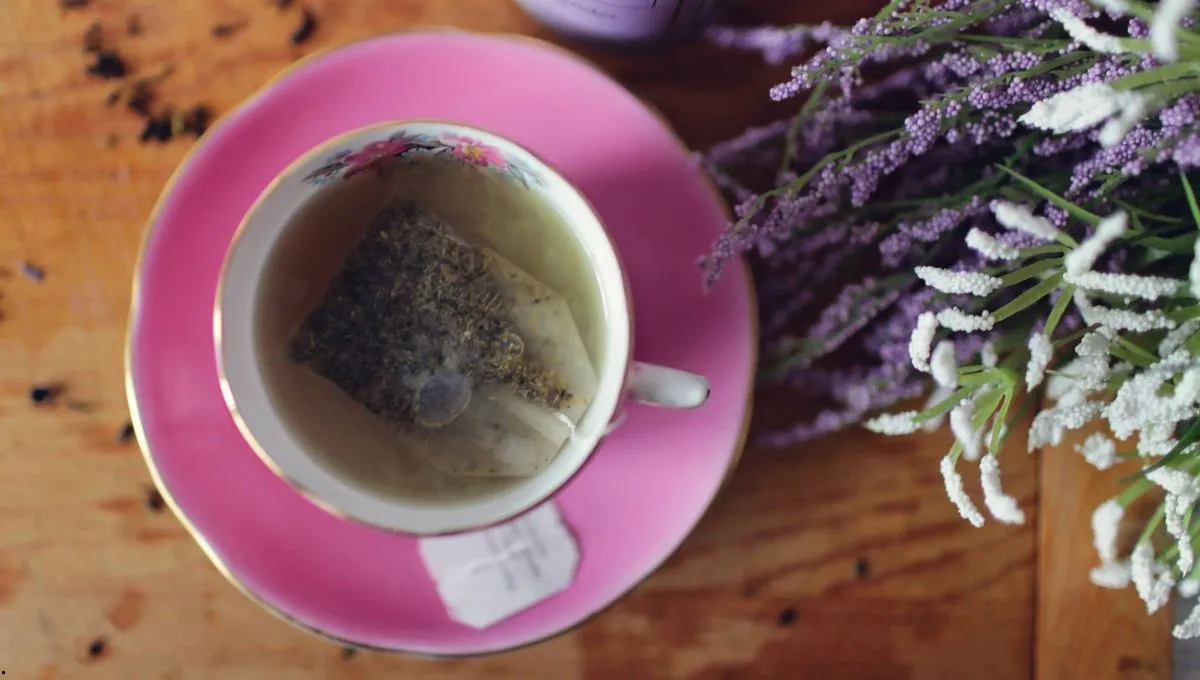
476,364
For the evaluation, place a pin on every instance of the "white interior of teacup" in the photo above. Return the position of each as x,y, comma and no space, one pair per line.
303,426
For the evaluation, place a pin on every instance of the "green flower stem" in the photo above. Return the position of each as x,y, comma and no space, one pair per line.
1024,408
1029,271
944,406
799,183
1072,209
1191,198
1059,308
980,379
955,452
1146,357
1193,530
793,133
985,406
1175,88
1136,211
1028,298
1157,75
1180,245
1048,249
1182,314
1133,492
1073,337
1152,524
1182,449
1125,354
998,431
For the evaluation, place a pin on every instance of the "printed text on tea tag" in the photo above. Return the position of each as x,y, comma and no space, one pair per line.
487,576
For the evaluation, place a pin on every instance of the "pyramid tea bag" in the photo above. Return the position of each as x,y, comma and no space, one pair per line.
476,364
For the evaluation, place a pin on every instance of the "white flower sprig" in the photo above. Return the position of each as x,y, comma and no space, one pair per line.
1194,271
1164,29
1152,580
986,245
943,365
1125,285
1106,526
893,423
1121,319
1079,108
958,495
1079,30
957,320
920,345
1099,451
958,283
1116,128
1019,218
964,432
1001,506
1109,229
1107,373
1041,351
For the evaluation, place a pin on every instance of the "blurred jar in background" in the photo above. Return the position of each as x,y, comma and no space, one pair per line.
626,22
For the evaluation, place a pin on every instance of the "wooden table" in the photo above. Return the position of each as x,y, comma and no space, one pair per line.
852,533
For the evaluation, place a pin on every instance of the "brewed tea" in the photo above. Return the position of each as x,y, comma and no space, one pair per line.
509,328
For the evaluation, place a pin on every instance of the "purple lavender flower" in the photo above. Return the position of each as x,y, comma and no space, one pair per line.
776,44
890,173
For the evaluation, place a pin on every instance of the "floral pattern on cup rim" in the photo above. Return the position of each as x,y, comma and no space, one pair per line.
381,154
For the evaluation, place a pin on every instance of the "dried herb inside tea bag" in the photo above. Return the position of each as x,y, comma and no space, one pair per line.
500,433
476,364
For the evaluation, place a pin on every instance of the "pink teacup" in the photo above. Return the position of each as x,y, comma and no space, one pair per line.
302,426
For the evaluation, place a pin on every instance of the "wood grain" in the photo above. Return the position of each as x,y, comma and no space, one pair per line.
1084,631
853,533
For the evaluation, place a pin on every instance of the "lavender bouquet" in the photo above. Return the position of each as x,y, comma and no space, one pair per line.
1015,175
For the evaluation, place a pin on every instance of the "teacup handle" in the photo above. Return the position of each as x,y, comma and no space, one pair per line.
668,387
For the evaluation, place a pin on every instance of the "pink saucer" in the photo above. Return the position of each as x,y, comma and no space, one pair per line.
643,490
